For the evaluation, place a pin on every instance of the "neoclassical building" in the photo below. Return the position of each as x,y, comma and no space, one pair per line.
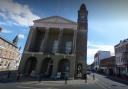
56,45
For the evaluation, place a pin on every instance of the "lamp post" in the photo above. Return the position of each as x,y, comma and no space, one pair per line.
8,68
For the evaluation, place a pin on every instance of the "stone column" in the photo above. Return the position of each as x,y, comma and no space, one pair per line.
29,39
44,40
72,68
55,68
59,39
38,67
74,41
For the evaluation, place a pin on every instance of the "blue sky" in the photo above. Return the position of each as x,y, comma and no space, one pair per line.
107,19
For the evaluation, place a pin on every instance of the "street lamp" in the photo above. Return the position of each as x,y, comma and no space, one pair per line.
8,68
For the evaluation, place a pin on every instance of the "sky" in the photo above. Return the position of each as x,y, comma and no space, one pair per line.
107,20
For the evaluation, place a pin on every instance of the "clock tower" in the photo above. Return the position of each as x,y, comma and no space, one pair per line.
81,44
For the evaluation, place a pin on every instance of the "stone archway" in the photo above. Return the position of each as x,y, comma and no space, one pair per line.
64,68
30,65
47,67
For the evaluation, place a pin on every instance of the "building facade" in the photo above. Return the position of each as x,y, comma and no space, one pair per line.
56,45
121,54
98,57
108,65
9,54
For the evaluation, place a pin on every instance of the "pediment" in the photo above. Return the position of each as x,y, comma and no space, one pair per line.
55,19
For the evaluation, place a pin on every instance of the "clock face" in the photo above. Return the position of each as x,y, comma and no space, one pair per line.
82,17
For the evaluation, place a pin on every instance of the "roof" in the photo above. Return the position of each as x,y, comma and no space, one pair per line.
122,42
7,41
83,7
55,18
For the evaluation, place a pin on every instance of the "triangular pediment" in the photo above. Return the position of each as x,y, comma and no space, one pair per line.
55,19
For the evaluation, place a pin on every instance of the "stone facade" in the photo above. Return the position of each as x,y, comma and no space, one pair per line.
56,45
121,54
9,55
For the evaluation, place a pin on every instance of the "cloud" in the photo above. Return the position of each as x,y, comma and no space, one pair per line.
6,31
8,23
16,12
93,48
21,36
2,23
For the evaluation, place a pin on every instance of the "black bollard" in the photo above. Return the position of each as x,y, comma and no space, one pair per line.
85,77
66,80
93,77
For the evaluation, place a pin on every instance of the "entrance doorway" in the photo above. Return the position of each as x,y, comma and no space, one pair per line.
30,66
47,67
64,68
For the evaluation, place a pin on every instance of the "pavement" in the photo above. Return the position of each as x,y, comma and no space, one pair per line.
100,82
107,83
71,84
120,79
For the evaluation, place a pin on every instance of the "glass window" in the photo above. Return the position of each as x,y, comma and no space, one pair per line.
5,45
0,60
68,47
55,46
1,42
0,52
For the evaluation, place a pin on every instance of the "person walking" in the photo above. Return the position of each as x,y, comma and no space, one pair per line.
8,75
18,76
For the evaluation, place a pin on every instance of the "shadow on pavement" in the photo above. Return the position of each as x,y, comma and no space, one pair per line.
116,79
11,77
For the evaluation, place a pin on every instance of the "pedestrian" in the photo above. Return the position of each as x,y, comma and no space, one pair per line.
18,76
85,77
66,79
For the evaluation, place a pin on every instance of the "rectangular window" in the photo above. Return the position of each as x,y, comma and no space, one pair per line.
55,46
68,47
